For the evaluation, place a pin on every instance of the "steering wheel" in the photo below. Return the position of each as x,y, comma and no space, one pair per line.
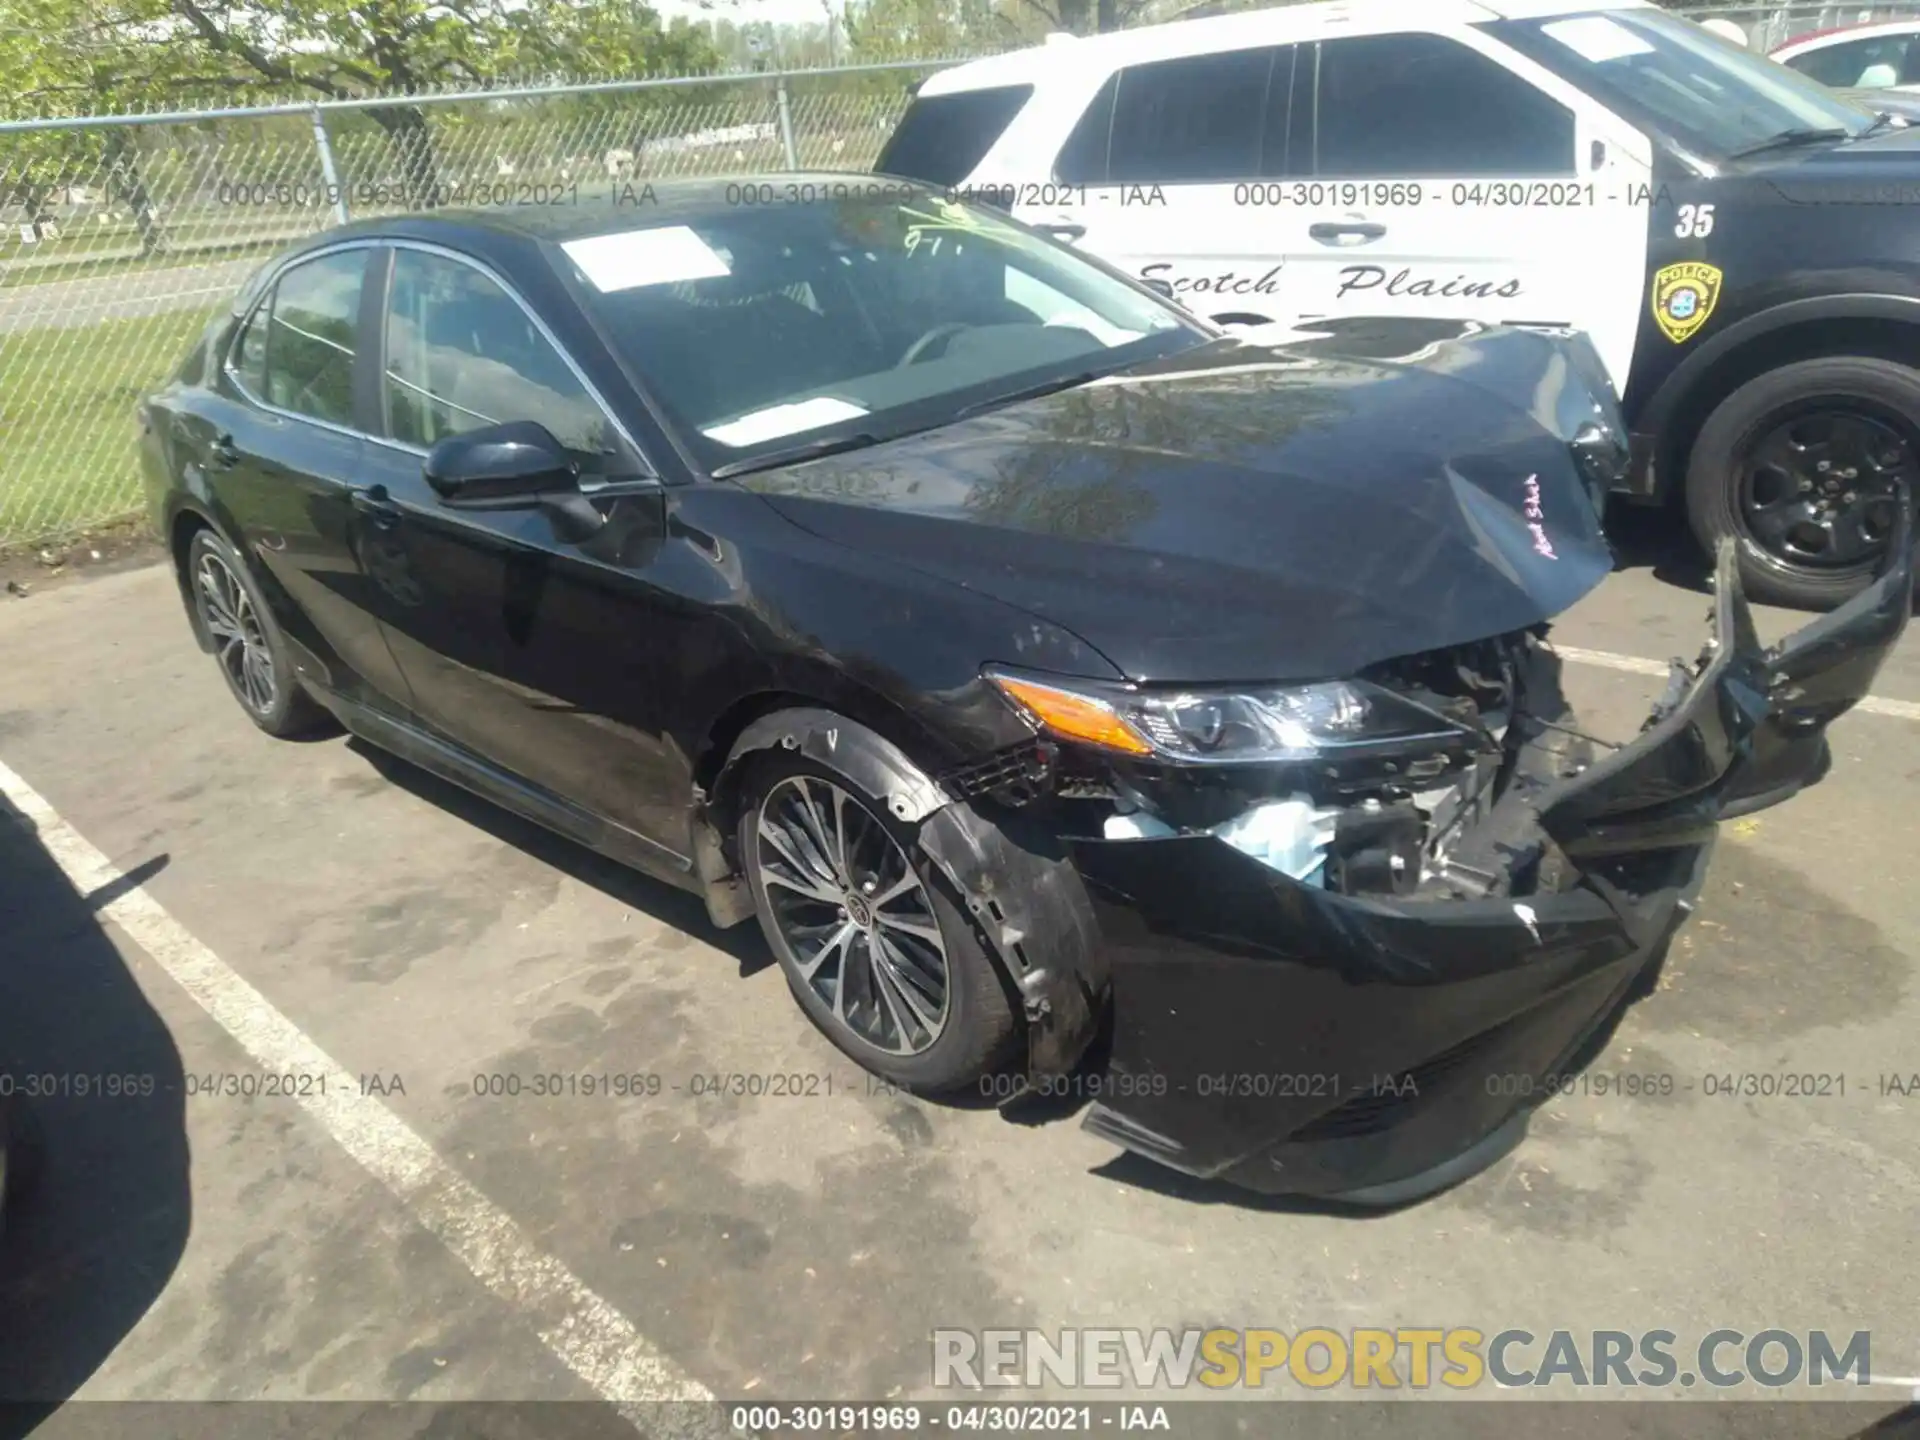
928,340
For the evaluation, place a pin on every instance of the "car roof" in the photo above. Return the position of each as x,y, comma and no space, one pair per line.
629,204
1278,25
1841,34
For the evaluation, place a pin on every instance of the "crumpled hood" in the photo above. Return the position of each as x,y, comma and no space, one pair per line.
1247,511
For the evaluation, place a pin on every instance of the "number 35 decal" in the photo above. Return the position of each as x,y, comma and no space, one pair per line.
1694,221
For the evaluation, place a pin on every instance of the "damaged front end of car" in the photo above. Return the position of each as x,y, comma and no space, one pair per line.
1349,933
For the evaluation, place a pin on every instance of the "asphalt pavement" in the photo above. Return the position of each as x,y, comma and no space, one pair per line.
194,901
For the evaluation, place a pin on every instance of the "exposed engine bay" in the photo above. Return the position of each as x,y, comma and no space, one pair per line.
1417,818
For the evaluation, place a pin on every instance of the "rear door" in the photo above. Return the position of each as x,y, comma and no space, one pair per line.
1161,176
1451,177
283,459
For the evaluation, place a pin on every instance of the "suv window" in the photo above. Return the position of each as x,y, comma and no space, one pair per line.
1874,63
1191,120
1083,159
314,314
942,137
462,353
1408,105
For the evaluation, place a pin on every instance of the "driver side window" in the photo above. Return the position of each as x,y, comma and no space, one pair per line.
462,353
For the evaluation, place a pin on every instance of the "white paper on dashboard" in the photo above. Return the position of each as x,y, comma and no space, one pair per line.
1597,38
778,420
632,258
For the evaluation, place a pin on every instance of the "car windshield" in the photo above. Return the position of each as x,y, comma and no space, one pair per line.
766,327
1705,94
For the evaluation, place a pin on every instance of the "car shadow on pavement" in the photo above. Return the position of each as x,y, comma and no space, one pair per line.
91,1242
663,902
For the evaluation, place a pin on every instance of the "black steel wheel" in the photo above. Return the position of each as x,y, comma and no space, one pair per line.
1805,467
247,645
873,948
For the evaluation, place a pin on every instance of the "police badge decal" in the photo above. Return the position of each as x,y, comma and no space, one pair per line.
1683,297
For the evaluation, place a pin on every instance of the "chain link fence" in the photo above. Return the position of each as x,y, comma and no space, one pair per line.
120,239
1771,26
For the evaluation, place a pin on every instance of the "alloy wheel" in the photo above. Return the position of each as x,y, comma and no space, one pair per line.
240,645
1822,488
855,915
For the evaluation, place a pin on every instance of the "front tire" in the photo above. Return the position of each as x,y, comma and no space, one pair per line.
873,947
247,643
1803,467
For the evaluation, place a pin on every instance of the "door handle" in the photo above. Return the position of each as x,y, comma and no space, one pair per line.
1329,233
1063,231
223,453
377,505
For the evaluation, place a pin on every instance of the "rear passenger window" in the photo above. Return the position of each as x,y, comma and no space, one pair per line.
1410,105
250,354
315,312
1191,120
942,137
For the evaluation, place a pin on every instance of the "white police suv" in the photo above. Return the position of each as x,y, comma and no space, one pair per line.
1741,245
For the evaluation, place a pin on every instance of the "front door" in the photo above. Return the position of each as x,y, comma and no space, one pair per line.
1450,177
523,647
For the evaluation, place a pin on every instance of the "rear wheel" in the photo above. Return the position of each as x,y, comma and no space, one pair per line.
247,644
1804,467
873,947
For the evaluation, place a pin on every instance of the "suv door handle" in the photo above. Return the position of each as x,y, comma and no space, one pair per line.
375,503
1329,233
1063,231
223,453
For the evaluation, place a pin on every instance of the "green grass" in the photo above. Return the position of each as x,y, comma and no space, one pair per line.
80,264
67,427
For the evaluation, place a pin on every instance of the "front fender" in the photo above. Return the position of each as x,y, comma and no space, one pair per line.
1026,900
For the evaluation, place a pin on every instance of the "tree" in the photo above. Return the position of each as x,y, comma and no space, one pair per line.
881,30
129,54
1088,17
81,57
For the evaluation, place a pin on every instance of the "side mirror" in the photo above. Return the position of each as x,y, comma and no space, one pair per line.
1159,286
501,467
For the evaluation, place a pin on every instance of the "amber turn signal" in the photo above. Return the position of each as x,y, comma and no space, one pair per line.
1073,717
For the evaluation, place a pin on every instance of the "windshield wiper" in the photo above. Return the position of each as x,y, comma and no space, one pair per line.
794,454
1027,392
1792,139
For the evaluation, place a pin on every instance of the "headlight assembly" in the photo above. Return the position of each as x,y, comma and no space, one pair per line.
1223,727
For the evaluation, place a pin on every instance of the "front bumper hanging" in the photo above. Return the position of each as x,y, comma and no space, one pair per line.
1294,1040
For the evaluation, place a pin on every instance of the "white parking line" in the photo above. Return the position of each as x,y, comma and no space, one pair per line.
586,1333
1634,665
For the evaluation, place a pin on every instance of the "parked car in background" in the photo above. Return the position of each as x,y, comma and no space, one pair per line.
1027,655
1724,229
1884,56
1900,105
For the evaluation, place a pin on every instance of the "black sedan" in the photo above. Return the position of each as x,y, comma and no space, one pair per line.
1037,664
